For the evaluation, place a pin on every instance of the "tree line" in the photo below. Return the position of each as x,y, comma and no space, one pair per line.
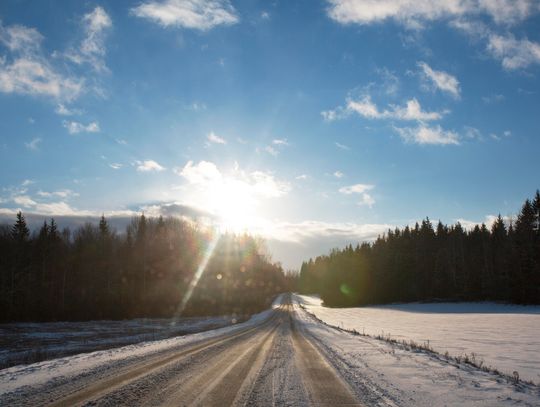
426,263
95,273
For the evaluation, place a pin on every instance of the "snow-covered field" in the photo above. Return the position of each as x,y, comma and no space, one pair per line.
64,369
22,343
378,372
506,337
386,374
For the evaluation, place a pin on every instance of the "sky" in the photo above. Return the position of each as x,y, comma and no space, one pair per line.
313,123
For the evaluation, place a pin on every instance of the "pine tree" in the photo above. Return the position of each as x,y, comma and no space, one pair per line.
20,231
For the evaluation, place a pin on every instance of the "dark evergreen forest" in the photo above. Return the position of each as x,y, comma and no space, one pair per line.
95,273
426,263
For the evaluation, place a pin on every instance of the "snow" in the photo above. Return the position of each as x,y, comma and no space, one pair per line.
33,342
506,337
381,373
378,372
15,378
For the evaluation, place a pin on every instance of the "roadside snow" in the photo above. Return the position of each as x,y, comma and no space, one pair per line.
385,374
24,343
15,378
506,337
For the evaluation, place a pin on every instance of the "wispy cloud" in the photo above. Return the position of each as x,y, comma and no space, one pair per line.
212,138
149,166
63,110
33,144
280,142
92,49
24,200
27,71
193,14
301,177
61,193
338,174
76,127
365,107
424,134
115,166
360,189
514,53
341,146
271,150
414,14
493,98
441,80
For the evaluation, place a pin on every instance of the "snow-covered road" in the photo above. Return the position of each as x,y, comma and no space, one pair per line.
283,356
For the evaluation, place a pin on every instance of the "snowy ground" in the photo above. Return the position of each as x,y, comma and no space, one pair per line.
19,378
384,374
379,373
506,337
23,343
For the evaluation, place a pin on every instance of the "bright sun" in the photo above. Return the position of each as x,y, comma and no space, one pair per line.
234,203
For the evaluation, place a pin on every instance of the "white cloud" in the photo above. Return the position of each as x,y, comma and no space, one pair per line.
115,166
149,166
20,38
62,193
76,127
428,135
267,185
34,76
513,53
63,110
338,174
202,172
413,111
414,13
27,182
367,200
24,200
196,106
33,144
341,146
331,115
493,98
280,142
212,138
473,133
365,107
301,176
92,49
360,189
441,80
28,72
207,175
193,14
271,150
356,189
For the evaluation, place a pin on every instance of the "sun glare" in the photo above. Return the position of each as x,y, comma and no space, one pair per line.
234,204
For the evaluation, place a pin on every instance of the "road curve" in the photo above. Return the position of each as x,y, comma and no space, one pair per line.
270,364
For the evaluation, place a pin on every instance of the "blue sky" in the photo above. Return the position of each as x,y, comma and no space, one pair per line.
311,123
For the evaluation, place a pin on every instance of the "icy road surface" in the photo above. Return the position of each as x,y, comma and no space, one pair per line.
282,357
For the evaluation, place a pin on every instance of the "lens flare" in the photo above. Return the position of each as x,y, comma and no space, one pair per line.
198,274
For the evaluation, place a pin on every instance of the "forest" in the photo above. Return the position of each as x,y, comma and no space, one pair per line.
441,263
151,270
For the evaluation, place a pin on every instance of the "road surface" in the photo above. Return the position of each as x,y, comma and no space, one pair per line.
270,364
